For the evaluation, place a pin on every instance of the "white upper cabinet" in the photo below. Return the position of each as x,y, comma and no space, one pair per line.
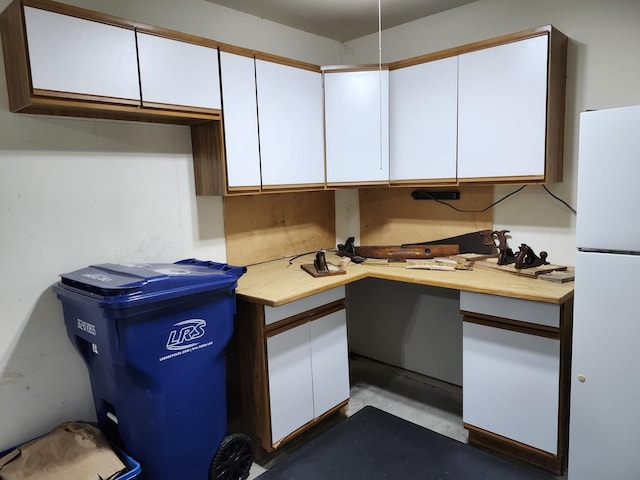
291,125
72,55
178,73
423,116
240,121
502,111
357,126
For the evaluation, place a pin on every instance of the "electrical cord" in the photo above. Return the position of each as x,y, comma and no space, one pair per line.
560,200
462,210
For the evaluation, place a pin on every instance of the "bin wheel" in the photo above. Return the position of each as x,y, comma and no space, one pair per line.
233,459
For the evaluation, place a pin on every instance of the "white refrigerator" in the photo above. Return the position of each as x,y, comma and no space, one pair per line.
604,434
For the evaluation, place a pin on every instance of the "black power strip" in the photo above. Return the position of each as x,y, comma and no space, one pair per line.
437,195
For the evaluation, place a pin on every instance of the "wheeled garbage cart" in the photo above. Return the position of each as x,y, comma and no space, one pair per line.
154,337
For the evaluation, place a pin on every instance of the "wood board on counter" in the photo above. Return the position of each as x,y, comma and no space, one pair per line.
390,216
270,226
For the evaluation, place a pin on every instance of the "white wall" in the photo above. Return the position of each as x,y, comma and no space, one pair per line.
74,192
603,72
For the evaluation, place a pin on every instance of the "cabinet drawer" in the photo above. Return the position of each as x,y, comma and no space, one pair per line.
547,314
274,314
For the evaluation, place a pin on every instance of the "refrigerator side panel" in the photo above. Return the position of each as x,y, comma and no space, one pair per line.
605,392
608,172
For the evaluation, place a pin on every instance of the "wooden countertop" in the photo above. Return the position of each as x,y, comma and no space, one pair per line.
279,282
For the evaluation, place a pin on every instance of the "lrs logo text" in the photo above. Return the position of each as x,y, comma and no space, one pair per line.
186,332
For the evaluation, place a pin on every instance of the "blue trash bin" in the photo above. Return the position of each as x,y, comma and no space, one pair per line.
154,337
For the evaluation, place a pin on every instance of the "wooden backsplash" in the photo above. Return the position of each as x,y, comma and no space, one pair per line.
269,226
392,216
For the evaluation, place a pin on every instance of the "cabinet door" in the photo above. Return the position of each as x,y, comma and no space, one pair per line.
290,381
357,126
511,384
178,73
423,121
240,117
502,105
290,120
330,361
69,55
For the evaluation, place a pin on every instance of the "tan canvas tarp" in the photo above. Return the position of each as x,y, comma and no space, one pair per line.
72,451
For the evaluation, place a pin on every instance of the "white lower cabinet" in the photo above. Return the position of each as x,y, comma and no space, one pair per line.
308,372
516,363
288,367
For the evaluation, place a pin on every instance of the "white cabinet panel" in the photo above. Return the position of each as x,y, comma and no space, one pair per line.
511,384
529,311
178,73
240,118
69,54
357,126
290,381
330,361
273,314
291,124
502,107
423,121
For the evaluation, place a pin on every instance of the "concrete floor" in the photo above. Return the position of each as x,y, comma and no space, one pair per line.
422,400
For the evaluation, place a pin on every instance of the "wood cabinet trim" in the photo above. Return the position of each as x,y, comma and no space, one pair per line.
175,35
79,12
556,98
513,449
354,68
436,182
245,52
182,108
112,111
512,325
267,57
293,187
308,425
16,58
84,97
471,47
249,409
208,160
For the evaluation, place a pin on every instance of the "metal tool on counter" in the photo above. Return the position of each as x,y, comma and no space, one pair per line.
505,254
523,258
527,258
474,242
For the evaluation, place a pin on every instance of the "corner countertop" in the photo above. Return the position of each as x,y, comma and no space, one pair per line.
282,281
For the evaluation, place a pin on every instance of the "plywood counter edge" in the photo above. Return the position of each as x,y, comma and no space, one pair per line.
272,285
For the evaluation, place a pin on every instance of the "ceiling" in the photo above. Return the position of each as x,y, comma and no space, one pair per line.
341,20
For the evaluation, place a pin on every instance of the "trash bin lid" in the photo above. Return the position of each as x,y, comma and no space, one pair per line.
119,284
